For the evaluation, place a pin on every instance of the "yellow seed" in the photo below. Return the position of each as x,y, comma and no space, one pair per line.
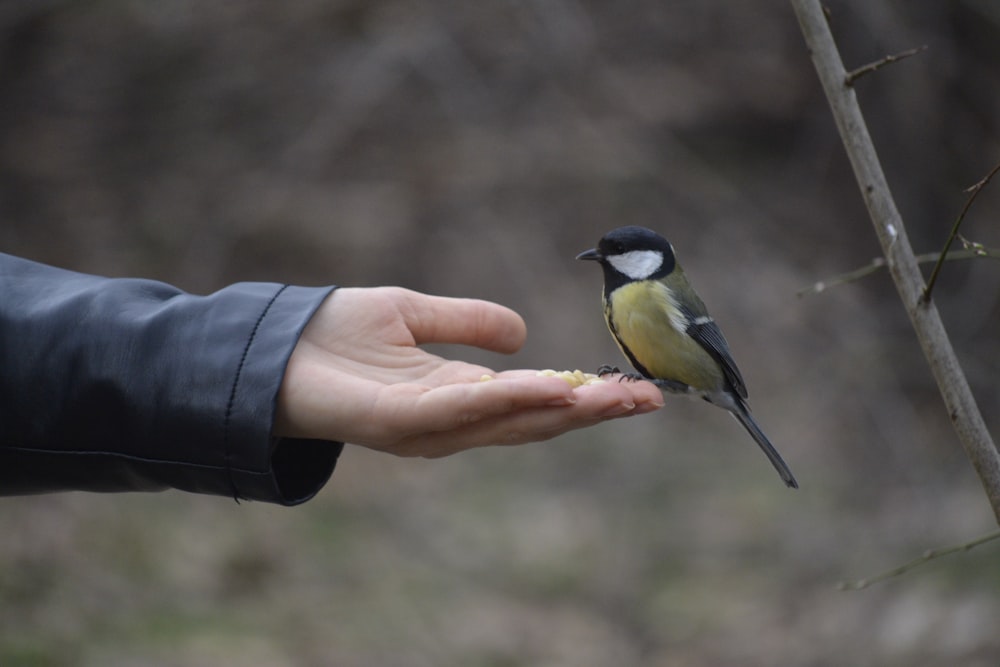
575,378
485,378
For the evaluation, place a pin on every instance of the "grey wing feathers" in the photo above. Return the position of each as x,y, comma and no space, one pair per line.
706,333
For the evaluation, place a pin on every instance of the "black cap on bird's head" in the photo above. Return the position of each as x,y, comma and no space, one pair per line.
633,253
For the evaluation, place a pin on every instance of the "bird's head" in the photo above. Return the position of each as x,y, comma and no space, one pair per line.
633,253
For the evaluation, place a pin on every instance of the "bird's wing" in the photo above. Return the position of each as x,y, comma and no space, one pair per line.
707,333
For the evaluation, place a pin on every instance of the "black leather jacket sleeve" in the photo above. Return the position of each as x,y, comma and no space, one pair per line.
134,385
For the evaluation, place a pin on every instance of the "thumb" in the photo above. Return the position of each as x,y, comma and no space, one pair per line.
438,319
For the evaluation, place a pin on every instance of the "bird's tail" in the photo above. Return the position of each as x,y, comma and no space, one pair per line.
742,413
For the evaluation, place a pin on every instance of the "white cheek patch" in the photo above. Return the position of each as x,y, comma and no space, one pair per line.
637,264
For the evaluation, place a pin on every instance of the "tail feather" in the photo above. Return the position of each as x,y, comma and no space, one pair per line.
750,424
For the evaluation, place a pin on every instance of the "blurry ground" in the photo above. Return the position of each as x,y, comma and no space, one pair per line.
473,149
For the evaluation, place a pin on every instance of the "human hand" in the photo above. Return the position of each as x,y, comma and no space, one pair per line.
357,375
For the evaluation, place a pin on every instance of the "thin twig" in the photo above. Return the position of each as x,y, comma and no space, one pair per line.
927,556
856,74
952,383
971,251
974,192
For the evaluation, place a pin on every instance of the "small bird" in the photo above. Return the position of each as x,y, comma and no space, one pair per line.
665,331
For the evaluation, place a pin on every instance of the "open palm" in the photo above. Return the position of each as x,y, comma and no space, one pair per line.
358,375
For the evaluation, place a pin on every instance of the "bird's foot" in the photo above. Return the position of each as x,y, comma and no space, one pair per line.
609,370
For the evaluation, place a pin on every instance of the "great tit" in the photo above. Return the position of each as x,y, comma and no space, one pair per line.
664,329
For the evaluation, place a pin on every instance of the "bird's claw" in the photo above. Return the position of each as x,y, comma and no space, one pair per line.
607,369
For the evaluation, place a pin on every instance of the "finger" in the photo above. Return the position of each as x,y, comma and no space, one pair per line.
438,319
406,410
492,433
595,403
644,393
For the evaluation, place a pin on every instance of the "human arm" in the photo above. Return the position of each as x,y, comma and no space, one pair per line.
128,385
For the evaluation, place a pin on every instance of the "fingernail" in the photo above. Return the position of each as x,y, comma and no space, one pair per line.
648,406
562,401
618,409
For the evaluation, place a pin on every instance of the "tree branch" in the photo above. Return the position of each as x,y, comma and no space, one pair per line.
970,251
928,555
856,74
974,192
902,264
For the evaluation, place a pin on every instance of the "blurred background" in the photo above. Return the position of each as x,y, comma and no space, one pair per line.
473,149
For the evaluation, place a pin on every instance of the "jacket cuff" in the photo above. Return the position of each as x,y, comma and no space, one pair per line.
287,471
297,470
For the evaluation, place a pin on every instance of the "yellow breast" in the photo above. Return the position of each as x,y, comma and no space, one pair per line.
647,323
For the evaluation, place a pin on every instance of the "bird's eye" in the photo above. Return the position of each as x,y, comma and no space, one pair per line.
617,248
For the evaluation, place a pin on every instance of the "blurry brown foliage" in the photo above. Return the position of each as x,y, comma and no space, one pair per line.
473,148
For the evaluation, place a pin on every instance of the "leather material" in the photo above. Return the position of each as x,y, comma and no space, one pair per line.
134,385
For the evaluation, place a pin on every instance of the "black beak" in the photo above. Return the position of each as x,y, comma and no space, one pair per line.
591,254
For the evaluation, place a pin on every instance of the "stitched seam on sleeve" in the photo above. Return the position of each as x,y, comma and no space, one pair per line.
117,455
226,440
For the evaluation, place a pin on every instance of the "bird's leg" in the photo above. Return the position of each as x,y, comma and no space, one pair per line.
607,369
